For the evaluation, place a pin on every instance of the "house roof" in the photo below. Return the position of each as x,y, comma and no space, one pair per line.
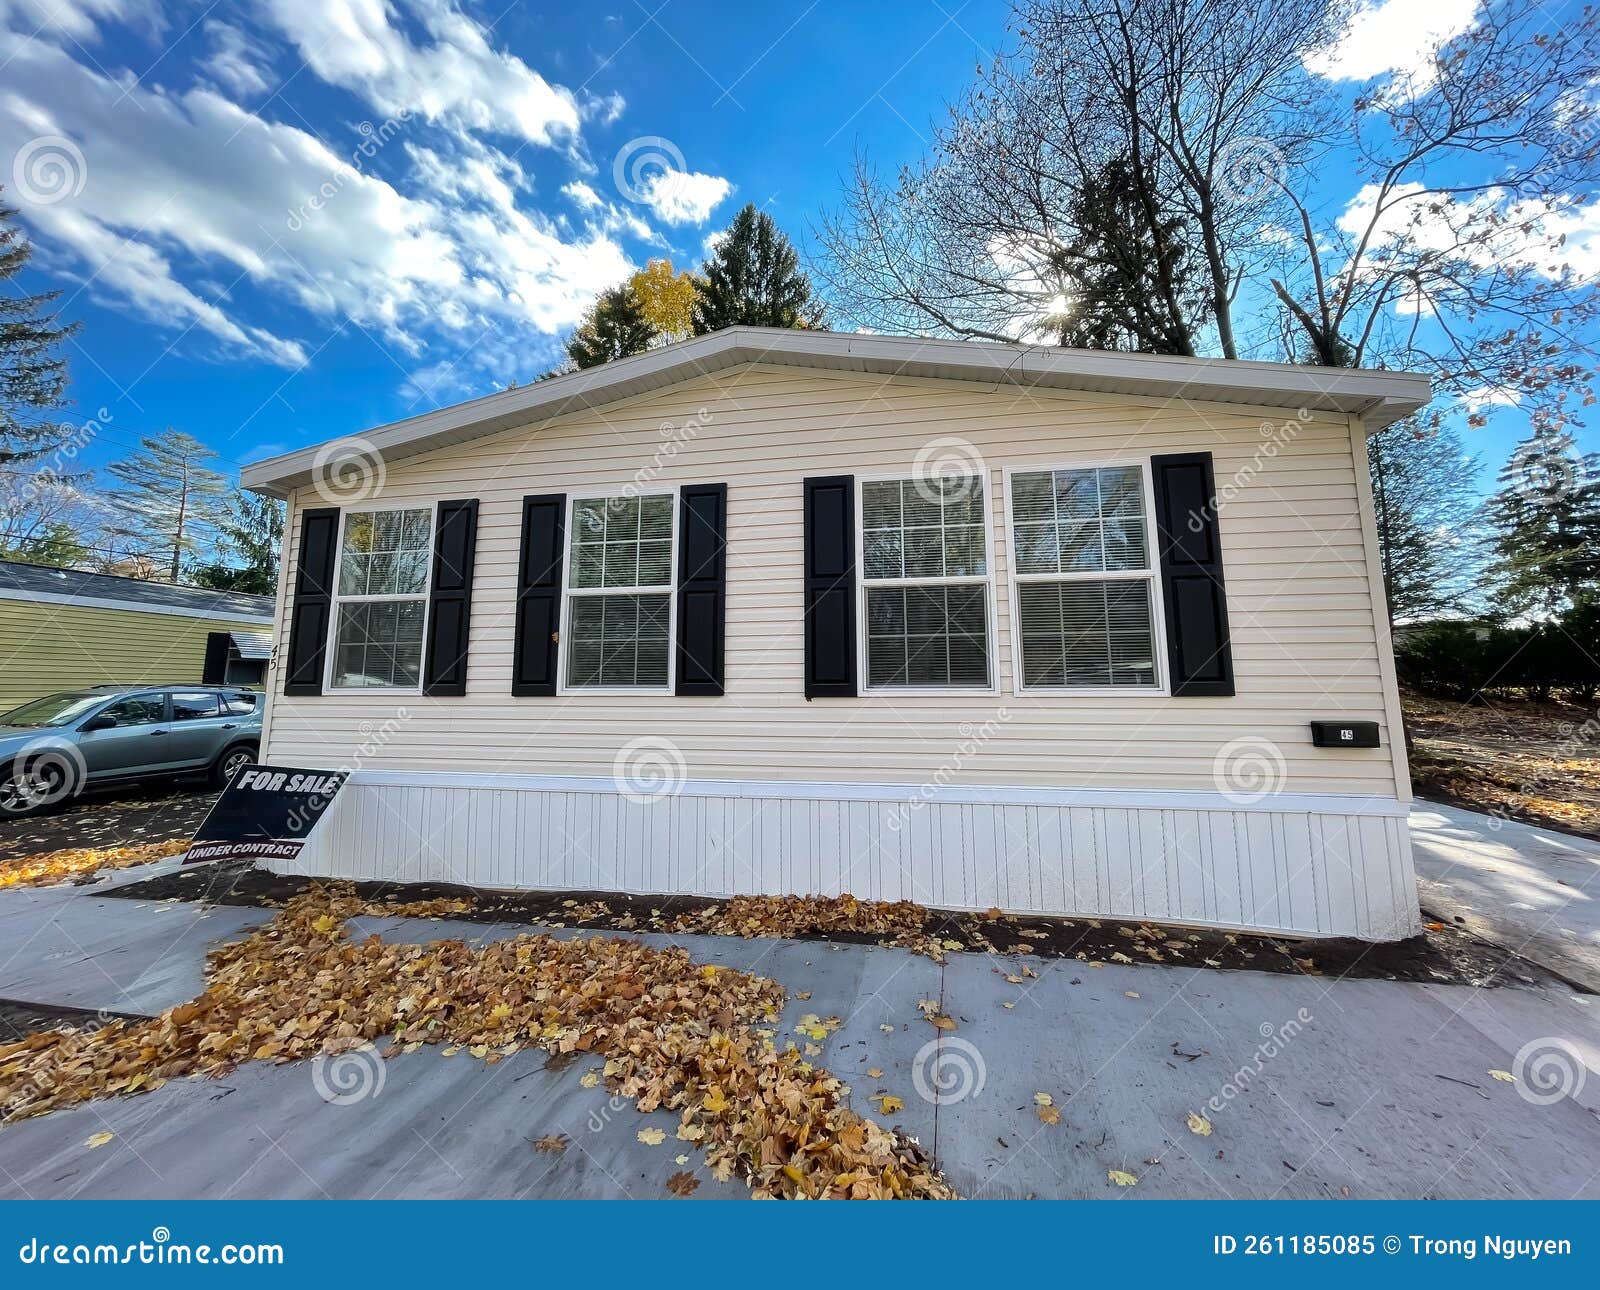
1379,397
20,581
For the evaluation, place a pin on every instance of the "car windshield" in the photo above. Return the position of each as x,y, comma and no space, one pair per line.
56,710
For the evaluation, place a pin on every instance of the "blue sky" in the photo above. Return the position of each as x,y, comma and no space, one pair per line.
296,219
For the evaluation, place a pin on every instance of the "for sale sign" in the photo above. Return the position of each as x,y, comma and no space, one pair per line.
266,813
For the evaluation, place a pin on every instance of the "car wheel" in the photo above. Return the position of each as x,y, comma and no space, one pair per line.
29,787
230,763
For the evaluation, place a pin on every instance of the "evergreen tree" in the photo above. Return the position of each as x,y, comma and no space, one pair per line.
250,534
753,279
1133,282
168,498
1422,485
1544,525
33,374
615,327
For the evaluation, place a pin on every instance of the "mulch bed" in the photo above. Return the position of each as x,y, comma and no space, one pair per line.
114,818
1443,954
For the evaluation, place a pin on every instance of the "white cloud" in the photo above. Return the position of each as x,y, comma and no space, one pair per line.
457,78
237,62
73,18
1394,37
683,196
582,195
186,187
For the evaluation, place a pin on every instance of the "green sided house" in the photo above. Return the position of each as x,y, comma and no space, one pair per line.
974,625
61,629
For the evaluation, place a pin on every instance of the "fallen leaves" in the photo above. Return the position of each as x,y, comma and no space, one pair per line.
1121,1177
98,1140
53,867
1505,1077
1199,1124
670,1038
552,1143
683,1183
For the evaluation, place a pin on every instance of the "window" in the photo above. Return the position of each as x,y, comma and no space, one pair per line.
925,579
619,595
381,598
1085,587
193,705
143,710
238,705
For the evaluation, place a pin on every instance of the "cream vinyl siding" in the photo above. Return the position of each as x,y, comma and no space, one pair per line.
1300,599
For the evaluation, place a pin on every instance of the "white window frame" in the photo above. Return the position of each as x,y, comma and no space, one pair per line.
1151,575
329,665
569,592
863,584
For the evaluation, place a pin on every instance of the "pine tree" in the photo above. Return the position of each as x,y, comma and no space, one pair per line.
753,279
33,374
1544,524
1422,486
615,327
250,534
1133,283
168,499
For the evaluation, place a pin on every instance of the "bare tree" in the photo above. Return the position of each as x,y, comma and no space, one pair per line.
1451,257
1191,100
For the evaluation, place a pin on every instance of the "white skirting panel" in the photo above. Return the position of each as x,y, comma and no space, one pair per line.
1318,866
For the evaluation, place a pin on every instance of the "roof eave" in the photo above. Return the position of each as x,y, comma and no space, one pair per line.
1378,397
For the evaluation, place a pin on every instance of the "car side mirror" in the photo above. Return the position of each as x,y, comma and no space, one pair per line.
98,723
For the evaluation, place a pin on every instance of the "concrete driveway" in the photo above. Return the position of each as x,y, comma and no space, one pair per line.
1532,890
1315,1087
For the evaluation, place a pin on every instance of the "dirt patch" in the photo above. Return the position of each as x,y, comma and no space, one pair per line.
1442,954
116,818
1519,759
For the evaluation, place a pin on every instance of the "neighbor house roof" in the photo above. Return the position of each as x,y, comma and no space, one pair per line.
1379,397
109,591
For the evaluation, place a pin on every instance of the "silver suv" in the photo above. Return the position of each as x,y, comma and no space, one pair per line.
55,747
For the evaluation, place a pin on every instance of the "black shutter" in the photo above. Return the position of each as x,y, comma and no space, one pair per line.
535,652
455,539
1191,575
702,586
313,601
215,670
830,604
